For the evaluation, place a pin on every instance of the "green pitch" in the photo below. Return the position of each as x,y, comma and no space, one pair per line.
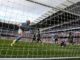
26,49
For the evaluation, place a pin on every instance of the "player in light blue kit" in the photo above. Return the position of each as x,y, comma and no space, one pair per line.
21,29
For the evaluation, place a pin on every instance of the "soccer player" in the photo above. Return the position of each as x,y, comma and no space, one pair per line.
63,43
20,35
21,29
38,36
56,39
34,37
70,38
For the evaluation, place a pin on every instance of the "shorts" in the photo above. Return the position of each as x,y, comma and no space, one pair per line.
34,39
18,38
38,39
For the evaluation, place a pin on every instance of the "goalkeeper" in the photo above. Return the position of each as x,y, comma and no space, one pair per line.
22,28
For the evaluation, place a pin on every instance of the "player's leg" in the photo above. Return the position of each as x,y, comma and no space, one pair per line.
40,40
34,39
37,40
16,40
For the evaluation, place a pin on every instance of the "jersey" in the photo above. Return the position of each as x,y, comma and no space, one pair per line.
20,31
25,26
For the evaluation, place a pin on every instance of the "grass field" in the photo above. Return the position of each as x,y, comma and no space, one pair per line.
26,49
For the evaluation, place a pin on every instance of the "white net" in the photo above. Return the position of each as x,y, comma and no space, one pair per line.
57,35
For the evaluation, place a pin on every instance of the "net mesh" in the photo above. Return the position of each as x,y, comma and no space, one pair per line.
58,35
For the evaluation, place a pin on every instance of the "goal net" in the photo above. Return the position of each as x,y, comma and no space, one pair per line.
55,34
